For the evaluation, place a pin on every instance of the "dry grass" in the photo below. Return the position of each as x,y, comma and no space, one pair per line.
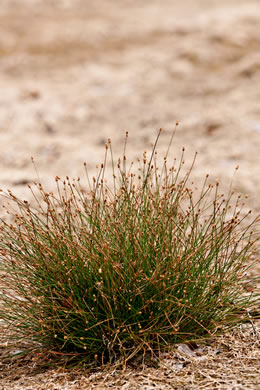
137,267
229,362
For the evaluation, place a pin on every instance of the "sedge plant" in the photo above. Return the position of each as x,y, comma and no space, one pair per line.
137,265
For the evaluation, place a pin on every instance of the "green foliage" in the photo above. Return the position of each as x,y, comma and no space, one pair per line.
103,274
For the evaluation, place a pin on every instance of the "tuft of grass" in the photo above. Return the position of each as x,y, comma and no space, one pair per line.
140,265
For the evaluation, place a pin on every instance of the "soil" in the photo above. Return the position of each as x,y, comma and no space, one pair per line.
74,73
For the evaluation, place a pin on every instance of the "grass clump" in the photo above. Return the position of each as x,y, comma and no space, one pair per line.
136,266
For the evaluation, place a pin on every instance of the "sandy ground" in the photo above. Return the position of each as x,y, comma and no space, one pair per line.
73,73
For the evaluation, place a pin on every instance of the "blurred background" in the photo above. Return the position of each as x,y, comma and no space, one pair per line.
74,73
